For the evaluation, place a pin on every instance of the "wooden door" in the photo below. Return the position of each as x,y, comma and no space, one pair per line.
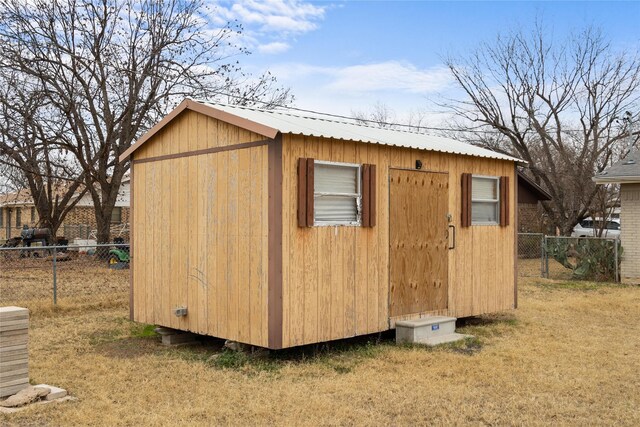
418,258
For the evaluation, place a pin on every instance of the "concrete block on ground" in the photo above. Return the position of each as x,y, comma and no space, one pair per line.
14,355
410,331
55,392
179,338
429,331
8,390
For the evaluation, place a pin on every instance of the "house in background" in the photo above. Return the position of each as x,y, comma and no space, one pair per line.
531,217
626,172
18,209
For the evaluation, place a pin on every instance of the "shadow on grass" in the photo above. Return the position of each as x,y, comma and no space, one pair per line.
340,356
141,340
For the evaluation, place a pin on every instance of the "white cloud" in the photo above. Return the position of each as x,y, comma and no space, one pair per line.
399,85
266,21
397,76
280,16
273,48
391,75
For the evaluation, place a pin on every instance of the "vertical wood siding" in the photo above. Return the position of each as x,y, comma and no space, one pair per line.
201,231
336,279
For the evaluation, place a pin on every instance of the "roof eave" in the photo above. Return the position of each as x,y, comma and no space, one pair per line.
616,179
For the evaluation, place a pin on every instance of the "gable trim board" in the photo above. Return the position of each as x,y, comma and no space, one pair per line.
319,283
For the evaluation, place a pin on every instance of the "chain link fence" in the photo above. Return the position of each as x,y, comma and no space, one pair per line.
569,258
530,254
73,275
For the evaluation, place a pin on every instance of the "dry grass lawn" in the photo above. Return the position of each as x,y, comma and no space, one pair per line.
569,355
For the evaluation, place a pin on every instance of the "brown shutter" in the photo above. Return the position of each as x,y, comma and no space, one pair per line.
302,192
365,195
305,192
310,191
372,195
368,195
504,201
465,220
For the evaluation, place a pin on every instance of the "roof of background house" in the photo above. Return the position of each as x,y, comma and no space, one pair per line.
626,170
23,196
537,191
16,198
286,121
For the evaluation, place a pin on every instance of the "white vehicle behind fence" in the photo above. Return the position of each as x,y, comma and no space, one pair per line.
590,228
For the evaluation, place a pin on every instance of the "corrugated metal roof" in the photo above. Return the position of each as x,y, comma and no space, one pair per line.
625,170
292,122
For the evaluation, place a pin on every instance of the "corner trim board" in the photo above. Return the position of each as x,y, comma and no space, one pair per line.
131,241
274,299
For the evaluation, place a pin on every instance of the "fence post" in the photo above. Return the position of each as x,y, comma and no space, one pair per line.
545,244
615,256
55,278
541,255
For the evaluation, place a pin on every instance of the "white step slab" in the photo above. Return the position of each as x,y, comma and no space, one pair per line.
443,339
411,331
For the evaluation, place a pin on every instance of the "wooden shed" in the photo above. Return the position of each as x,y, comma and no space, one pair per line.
278,229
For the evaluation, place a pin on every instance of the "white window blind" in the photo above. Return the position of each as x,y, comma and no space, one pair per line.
336,193
485,201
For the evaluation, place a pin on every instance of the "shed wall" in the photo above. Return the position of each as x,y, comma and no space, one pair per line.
336,279
201,231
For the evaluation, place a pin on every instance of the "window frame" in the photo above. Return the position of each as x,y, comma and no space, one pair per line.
496,201
357,195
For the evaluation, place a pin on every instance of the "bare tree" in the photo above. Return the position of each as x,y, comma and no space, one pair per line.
30,156
381,115
557,106
111,68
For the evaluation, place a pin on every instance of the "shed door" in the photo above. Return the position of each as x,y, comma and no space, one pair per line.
418,241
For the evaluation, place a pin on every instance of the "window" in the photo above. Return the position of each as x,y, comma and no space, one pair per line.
485,201
1,217
33,215
331,193
336,194
18,217
116,216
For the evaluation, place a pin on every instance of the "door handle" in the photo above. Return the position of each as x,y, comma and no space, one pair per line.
452,246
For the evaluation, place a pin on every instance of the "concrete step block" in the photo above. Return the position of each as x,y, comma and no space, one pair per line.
410,331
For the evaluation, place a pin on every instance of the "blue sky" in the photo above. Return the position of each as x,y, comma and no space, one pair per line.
345,56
